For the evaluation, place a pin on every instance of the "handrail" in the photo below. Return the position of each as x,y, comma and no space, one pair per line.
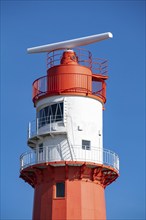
55,153
41,88
97,65
35,125
84,57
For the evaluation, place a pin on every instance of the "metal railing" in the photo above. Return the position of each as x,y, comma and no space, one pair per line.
97,65
84,84
51,121
57,153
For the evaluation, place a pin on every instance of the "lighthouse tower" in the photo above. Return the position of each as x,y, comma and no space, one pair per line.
67,165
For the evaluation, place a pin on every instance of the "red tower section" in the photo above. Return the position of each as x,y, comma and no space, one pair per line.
72,73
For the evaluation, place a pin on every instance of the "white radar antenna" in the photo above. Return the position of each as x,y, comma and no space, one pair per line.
69,44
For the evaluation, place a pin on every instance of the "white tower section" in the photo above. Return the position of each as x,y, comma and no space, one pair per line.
77,133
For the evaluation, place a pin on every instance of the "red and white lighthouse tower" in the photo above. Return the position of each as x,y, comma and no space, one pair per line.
67,165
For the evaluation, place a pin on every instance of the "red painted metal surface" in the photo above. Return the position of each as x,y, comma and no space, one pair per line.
73,78
72,73
52,85
84,58
84,189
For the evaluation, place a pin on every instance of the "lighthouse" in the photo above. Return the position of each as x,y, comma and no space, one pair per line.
66,164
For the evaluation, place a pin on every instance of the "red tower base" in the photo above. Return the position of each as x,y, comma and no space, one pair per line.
69,190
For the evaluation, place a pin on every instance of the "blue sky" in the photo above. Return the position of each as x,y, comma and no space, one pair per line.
30,23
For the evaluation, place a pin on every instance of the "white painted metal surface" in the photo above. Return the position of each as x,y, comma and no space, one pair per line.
50,126
82,121
57,153
69,44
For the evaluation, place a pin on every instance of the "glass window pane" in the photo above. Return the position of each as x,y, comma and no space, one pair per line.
58,113
86,145
60,189
50,114
53,108
61,108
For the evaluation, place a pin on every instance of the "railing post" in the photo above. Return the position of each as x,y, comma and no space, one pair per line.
38,156
50,123
46,153
118,165
114,161
60,155
21,163
37,125
29,130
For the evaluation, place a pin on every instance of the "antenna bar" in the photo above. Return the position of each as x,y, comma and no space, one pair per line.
69,44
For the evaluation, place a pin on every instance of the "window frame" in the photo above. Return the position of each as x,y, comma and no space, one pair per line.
56,189
51,116
86,146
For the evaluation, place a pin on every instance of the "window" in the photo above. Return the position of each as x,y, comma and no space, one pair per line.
60,189
50,114
86,145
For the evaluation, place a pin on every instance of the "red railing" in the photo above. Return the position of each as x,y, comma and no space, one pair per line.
80,83
89,86
84,57
97,65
